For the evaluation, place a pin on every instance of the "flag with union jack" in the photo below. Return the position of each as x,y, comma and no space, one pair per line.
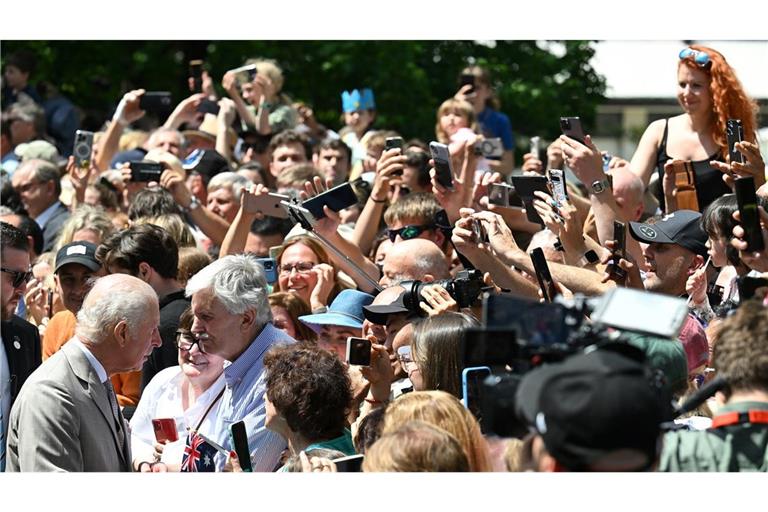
198,455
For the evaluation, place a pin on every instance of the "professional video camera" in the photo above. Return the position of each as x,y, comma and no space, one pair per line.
519,334
465,289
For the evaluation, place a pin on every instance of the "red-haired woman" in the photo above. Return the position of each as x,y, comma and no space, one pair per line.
709,93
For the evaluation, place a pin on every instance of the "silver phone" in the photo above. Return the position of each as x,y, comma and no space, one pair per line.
557,179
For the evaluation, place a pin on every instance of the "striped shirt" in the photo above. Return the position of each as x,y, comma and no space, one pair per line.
243,399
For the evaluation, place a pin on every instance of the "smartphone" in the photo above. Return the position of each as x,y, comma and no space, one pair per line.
535,146
271,204
471,386
49,300
270,268
207,106
239,437
156,101
491,347
83,148
746,198
571,127
543,275
479,234
490,148
734,132
498,194
145,170
443,169
620,238
468,79
641,311
337,198
557,179
525,186
165,430
196,72
394,142
748,285
349,464
358,351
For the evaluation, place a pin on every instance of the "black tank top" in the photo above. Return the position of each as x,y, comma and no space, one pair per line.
709,181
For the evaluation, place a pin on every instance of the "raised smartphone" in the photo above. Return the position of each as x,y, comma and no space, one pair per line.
443,169
543,275
165,430
83,148
337,198
746,198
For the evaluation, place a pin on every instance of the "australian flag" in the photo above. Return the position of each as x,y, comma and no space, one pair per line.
198,455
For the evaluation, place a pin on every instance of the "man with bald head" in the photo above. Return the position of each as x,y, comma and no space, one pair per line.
66,417
417,258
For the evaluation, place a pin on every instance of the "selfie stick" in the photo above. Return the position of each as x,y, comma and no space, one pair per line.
298,213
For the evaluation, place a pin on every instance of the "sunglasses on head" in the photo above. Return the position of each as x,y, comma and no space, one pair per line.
18,277
408,232
700,58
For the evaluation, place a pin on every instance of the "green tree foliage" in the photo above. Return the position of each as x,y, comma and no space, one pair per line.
410,79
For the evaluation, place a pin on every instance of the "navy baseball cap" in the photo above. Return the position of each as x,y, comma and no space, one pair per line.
83,253
682,227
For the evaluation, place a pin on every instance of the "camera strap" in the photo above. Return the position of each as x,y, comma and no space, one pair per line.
444,225
737,418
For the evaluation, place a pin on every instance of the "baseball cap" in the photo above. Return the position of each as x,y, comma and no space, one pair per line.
346,310
83,253
594,403
665,354
206,162
682,227
379,313
40,149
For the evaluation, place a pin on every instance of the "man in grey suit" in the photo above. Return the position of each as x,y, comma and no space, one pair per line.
66,417
39,186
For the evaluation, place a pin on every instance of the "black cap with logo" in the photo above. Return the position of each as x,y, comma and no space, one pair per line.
682,227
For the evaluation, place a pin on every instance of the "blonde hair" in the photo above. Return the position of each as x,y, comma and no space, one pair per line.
459,107
132,140
416,446
174,225
445,411
269,68
158,155
88,217
295,176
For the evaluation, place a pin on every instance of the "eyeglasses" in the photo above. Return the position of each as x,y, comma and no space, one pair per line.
185,341
404,356
19,277
700,58
302,267
408,232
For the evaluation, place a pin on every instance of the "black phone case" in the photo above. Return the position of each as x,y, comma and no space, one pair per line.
145,171
575,130
525,186
337,198
359,353
157,101
207,106
746,198
543,274
240,443
734,132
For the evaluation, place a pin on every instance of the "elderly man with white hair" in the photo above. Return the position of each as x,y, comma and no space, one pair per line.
66,417
224,191
233,320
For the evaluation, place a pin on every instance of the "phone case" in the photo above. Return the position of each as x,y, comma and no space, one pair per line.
270,268
746,198
620,237
685,183
165,430
734,132
471,379
358,351
571,127
155,101
83,147
270,205
145,171
442,158
543,276
525,186
337,198
239,438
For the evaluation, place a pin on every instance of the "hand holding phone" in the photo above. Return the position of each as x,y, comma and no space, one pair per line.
239,437
746,198
83,148
196,73
571,127
337,198
543,276
734,132
145,171
617,273
394,142
156,101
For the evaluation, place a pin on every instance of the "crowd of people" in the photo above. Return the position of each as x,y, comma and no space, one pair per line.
172,302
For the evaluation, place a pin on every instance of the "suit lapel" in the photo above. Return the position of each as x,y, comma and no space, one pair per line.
97,392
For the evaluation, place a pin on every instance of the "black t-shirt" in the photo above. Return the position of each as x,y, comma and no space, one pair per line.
171,308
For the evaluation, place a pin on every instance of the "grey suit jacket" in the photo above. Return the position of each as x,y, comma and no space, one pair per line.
62,420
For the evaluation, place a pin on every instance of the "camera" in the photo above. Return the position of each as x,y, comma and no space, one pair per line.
83,148
489,148
465,289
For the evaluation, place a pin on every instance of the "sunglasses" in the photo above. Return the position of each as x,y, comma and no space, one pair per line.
700,58
19,276
408,232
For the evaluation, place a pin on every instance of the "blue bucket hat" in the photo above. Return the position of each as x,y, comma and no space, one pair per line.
346,310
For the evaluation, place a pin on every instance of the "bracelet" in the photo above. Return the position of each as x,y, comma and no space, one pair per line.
375,402
142,463
379,200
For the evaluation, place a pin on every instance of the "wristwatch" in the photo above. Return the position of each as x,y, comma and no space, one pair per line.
194,203
590,258
600,186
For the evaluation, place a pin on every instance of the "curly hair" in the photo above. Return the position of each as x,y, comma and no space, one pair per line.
444,411
741,351
310,389
729,100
